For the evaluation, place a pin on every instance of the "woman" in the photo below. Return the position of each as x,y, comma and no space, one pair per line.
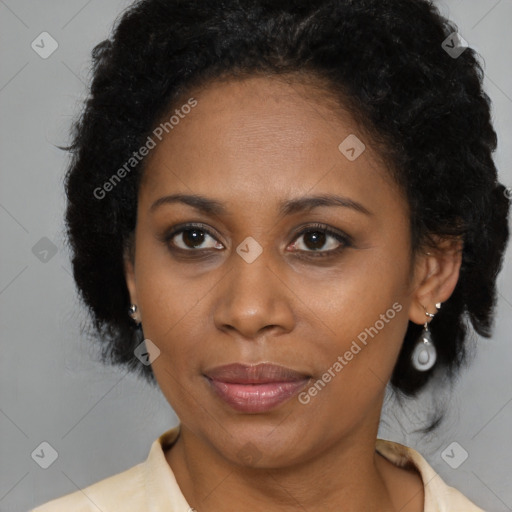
276,208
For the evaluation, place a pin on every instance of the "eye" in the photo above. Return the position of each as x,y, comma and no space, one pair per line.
317,236
197,237
191,237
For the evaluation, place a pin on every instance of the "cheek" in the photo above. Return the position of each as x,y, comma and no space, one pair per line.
360,313
173,316
174,319
171,303
353,295
355,357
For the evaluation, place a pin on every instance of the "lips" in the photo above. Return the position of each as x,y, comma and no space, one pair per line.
255,388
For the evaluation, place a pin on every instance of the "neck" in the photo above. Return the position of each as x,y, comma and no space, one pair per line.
347,475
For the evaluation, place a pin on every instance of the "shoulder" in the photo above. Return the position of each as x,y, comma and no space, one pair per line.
439,496
104,495
147,485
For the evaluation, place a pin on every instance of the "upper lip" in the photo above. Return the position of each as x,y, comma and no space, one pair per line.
261,373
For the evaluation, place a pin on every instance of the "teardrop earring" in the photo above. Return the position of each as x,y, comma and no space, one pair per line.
424,354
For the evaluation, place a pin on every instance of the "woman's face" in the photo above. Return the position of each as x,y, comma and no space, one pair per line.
257,279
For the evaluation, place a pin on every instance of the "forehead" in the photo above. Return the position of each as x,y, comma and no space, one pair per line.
259,138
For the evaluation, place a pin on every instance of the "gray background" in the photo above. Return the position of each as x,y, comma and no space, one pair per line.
101,420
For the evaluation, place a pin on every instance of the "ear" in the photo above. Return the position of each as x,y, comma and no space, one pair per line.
436,276
129,272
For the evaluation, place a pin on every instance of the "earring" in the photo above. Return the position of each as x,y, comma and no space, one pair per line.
132,310
424,354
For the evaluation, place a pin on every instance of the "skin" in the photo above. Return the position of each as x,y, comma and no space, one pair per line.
252,144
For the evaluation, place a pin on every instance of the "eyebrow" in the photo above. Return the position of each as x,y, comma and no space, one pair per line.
212,207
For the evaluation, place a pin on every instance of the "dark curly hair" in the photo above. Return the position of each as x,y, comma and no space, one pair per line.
384,60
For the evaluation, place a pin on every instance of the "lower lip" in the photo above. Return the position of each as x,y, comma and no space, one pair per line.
256,397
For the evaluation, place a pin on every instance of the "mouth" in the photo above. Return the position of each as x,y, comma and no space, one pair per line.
255,388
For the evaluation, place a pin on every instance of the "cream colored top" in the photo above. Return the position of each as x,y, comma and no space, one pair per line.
151,486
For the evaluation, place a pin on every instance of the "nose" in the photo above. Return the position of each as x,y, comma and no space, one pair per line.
253,298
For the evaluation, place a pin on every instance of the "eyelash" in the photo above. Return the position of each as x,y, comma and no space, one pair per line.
344,240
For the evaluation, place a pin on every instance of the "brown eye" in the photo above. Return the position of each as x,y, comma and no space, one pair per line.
191,238
322,240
